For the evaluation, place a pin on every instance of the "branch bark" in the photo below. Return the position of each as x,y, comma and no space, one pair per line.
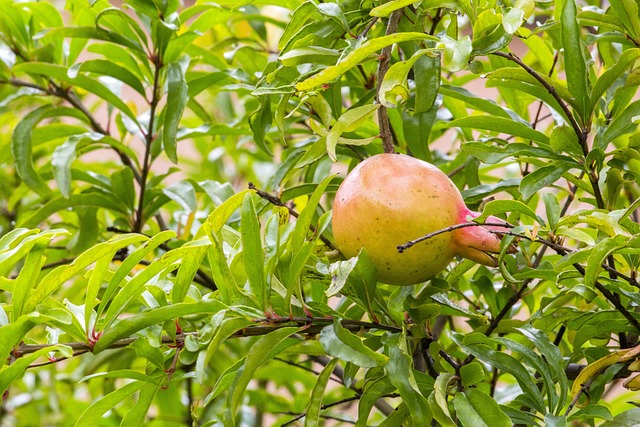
383,67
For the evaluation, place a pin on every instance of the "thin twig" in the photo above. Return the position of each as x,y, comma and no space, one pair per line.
276,201
368,27
552,90
410,243
331,405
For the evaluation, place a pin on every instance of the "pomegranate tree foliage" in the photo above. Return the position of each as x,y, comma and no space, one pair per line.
143,280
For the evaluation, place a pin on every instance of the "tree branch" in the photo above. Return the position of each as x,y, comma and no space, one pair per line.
383,66
276,201
410,243
262,326
149,138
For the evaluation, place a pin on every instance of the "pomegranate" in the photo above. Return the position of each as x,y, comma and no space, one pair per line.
390,199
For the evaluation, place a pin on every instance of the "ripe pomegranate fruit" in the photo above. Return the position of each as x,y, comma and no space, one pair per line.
390,199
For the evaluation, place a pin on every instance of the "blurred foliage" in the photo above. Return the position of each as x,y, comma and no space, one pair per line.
166,181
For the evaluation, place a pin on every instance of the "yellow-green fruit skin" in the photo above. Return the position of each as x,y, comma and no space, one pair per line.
388,200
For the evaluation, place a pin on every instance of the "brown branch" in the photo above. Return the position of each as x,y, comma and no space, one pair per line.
276,201
552,90
71,98
383,67
580,132
410,243
368,27
263,326
332,404
149,138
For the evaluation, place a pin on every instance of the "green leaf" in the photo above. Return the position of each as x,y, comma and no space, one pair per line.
349,120
501,125
356,56
400,373
220,271
476,344
372,391
512,20
417,130
18,368
607,79
394,85
252,252
478,103
111,69
92,415
129,264
22,152
554,359
28,273
438,400
458,310
309,55
138,414
74,200
98,276
603,249
177,97
186,272
333,11
260,123
539,365
223,330
303,223
516,74
496,207
184,194
387,8
64,155
624,123
11,334
575,62
144,349
123,373
127,327
552,207
627,13
471,374
477,409
94,33
541,178
340,343
221,214
590,412
59,72
564,140
261,352
166,263
312,418
426,75
456,52
360,273
58,276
